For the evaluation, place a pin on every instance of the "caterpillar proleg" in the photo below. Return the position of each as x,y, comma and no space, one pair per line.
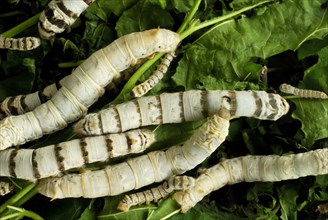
158,74
138,172
303,93
252,169
33,164
85,85
24,43
156,193
179,107
5,188
60,14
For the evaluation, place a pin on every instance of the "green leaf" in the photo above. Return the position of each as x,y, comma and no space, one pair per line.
288,195
183,6
142,16
227,51
88,214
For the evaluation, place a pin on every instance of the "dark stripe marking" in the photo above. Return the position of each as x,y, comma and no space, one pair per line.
85,153
36,172
12,163
204,103
233,102
135,101
258,105
66,11
118,119
59,158
182,113
100,124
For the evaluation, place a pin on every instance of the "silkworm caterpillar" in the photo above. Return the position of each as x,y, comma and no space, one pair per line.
5,188
158,74
138,172
60,14
24,43
179,107
16,105
33,164
270,168
156,193
303,93
84,86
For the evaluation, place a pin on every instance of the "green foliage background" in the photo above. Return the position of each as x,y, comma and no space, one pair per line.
289,37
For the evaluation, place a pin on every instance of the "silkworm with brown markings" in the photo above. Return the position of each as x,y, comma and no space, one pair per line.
303,93
24,43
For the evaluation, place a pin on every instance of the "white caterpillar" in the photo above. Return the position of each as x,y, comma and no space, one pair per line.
24,43
179,107
32,164
158,74
60,14
156,193
5,188
84,86
138,172
252,169
16,105
303,93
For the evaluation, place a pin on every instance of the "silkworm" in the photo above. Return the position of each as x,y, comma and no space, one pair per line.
5,188
60,14
33,164
16,105
158,74
24,43
84,86
156,193
179,107
138,172
270,168
303,93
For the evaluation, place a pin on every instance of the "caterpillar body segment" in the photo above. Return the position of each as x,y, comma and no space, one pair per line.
33,164
270,168
24,43
5,188
138,172
60,14
303,93
84,86
180,107
158,74
156,193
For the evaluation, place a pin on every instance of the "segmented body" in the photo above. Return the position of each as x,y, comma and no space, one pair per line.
33,164
303,93
137,172
154,79
156,193
252,169
60,14
84,86
24,43
180,107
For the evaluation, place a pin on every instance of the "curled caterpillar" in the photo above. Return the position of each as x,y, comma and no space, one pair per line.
84,86
24,43
138,172
303,93
33,164
5,188
270,168
156,193
158,74
179,107
60,14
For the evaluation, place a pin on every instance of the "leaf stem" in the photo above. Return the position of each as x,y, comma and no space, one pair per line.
207,23
189,16
22,26
17,197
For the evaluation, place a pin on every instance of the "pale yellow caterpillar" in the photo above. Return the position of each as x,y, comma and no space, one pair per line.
303,93
138,172
252,169
24,43
33,164
179,107
157,75
156,193
84,86
60,14
5,188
